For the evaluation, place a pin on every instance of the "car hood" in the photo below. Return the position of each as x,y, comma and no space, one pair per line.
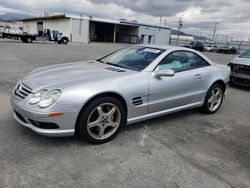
241,61
63,75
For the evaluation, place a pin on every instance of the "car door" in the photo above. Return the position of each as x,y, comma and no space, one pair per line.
181,89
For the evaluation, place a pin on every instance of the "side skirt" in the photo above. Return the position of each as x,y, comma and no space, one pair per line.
164,112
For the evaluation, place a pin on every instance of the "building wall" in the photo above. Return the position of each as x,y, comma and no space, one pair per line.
154,35
30,27
62,25
80,30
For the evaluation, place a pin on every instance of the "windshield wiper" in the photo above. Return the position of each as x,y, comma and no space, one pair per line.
116,65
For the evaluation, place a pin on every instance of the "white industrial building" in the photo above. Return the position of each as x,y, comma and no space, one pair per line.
86,29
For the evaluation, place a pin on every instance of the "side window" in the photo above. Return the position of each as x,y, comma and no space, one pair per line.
182,61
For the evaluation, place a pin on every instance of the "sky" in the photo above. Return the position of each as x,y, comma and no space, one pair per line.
198,16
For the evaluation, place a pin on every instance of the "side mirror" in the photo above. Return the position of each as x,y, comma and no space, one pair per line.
165,73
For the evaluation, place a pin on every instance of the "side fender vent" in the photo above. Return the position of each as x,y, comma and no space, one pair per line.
137,101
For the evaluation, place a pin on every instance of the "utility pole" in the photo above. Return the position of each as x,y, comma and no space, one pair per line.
215,26
160,20
179,29
80,24
165,23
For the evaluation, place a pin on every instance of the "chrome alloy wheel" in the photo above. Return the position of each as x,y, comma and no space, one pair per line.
103,121
215,99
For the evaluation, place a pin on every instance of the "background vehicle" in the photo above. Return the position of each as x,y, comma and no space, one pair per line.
210,48
196,45
240,69
51,35
2,29
98,97
225,50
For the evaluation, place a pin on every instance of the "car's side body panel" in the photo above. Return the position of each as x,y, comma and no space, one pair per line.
170,92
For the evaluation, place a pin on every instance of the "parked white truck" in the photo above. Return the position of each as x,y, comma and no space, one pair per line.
49,35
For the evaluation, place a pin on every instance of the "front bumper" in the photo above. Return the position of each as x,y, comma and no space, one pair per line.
27,117
240,79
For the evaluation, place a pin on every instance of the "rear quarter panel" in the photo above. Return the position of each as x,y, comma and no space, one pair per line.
214,73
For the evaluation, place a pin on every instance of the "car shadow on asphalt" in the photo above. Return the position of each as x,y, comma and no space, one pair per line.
158,122
163,121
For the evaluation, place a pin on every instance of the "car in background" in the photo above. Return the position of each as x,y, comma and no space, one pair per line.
196,45
210,47
2,30
225,50
240,69
95,99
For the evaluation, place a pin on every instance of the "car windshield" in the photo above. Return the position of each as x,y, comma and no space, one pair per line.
134,58
246,54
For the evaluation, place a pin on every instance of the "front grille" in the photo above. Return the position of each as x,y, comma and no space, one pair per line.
241,69
241,80
22,91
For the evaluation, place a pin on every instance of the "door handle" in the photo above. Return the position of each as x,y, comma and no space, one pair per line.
197,76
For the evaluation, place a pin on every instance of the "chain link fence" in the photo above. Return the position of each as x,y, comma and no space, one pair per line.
241,46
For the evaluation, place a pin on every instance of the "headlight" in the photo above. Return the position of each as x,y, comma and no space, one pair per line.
45,98
35,98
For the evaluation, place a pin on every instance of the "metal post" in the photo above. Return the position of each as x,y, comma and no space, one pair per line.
215,26
160,20
80,24
114,36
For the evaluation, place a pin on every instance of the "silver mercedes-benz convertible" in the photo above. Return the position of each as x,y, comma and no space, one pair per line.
94,99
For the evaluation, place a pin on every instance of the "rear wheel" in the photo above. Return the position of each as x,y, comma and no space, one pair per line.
101,120
213,99
29,40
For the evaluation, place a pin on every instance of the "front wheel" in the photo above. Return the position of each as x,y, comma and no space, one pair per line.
64,40
101,120
213,99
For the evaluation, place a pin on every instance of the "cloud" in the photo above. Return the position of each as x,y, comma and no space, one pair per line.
198,15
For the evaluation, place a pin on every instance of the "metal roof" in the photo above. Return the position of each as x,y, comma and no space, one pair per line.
95,19
58,16
143,24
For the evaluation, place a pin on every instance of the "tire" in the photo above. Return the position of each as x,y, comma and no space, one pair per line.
65,40
95,125
231,82
29,40
23,40
213,103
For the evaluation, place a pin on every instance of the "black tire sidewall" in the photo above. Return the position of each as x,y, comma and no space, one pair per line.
81,125
205,107
29,40
65,41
